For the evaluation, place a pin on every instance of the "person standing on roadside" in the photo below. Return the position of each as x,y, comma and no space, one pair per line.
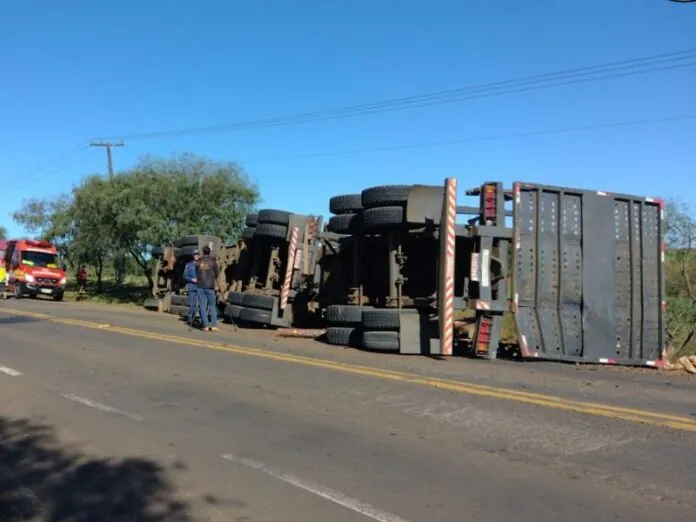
191,280
81,281
207,272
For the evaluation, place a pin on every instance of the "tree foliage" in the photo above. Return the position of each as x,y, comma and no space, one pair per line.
151,204
3,232
680,278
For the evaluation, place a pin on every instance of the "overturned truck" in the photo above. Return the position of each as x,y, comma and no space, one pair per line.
581,271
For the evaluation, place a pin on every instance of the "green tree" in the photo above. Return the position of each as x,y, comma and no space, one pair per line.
48,219
160,200
3,232
681,278
151,204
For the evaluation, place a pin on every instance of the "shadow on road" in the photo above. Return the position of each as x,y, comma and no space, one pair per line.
17,319
42,481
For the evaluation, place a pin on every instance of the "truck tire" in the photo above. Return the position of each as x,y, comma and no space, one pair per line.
251,315
271,230
343,336
380,319
179,310
188,250
344,315
260,302
195,240
235,298
232,312
385,196
346,204
152,304
383,217
275,217
186,241
248,233
251,220
157,251
381,341
179,300
345,224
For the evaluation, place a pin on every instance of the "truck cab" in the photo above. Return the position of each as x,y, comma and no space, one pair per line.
33,269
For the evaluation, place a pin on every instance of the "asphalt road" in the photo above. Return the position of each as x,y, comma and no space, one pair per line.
108,414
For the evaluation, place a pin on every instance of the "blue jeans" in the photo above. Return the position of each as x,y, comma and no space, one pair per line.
208,300
192,302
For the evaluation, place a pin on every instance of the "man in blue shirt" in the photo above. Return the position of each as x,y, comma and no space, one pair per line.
191,279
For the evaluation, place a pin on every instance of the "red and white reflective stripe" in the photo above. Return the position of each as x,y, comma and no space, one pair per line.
289,267
523,346
448,229
483,305
607,361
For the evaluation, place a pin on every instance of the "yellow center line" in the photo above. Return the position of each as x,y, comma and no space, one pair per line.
548,401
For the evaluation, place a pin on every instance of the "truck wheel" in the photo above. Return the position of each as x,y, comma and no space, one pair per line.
385,196
251,220
343,336
157,252
346,204
235,298
179,300
344,315
261,302
383,217
251,315
381,341
381,319
58,297
188,250
345,224
181,311
232,312
275,217
18,291
248,233
271,230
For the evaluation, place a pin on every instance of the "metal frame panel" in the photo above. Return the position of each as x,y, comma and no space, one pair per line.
588,280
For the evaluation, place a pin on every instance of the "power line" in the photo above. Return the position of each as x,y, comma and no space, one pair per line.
476,139
462,141
71,152
661,62
658,62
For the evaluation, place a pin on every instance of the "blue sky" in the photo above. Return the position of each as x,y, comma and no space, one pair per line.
78,70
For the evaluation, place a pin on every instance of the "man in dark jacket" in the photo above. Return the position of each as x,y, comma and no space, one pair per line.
207,272
191,279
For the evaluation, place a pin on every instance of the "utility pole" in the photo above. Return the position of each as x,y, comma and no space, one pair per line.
108,145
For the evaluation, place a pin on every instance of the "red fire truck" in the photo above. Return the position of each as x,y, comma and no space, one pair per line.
32,269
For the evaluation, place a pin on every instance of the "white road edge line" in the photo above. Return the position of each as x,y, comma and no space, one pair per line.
10,371
103,407
329,494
